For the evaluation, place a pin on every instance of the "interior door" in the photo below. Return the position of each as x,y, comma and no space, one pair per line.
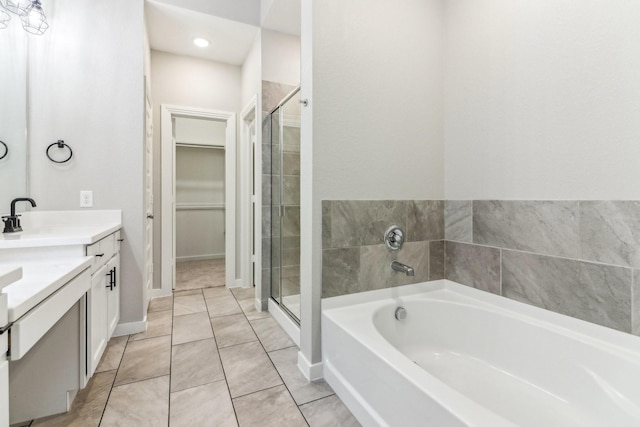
148,198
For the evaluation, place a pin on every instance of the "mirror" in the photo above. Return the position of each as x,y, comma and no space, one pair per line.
13,113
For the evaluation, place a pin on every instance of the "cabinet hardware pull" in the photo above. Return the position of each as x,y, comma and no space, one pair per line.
120,240
100,255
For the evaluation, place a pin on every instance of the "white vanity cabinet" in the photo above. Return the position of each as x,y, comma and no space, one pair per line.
4,366
103,304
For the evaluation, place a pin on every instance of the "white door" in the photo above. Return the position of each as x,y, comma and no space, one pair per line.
148,200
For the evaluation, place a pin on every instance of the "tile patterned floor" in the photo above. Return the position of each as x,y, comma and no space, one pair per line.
208,358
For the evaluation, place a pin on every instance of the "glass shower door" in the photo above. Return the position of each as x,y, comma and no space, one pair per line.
285,204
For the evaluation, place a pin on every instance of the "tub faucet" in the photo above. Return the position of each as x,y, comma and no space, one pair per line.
398,266
12,222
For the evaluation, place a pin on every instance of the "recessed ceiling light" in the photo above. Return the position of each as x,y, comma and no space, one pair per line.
200,42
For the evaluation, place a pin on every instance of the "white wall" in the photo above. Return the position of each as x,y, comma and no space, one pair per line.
86,87
188,82
252,72
375,114
542,99
280,57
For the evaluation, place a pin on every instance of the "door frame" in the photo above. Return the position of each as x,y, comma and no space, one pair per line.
168,184
250,232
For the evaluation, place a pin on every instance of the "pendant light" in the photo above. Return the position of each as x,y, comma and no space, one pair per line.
30,12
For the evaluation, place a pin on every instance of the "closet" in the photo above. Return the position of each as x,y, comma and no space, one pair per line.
200,187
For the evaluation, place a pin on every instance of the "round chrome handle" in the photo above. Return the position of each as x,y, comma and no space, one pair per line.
394,238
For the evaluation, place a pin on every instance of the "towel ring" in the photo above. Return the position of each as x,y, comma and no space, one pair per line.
6,150
61,144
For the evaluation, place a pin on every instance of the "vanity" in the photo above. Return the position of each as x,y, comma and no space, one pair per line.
59,306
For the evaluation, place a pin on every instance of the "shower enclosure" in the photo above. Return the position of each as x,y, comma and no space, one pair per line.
284,129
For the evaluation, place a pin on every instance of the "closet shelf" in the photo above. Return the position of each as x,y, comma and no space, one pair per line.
200,206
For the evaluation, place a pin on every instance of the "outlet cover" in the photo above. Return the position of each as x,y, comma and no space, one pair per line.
86,199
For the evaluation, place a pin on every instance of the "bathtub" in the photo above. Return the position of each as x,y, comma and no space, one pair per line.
463,357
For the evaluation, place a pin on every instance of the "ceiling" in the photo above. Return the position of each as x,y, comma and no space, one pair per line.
230,26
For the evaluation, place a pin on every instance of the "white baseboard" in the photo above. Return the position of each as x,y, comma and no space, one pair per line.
130,328
289,326
262,305
311,372
199,257
159,293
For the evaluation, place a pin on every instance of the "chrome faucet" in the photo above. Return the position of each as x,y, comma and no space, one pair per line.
12,222
398,266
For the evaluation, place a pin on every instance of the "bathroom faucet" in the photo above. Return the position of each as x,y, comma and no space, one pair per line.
12,222
398,266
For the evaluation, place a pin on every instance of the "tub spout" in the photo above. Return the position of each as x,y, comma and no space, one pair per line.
398,266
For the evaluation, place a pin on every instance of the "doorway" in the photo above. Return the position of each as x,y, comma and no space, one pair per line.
198,190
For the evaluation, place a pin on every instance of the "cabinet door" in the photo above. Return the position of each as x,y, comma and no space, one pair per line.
113,294
4,392
97,318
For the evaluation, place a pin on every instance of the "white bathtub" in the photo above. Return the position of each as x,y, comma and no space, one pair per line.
464,357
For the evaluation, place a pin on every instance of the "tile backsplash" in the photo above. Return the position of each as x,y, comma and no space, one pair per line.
578,258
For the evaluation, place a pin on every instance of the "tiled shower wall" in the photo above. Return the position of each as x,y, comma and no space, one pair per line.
578,258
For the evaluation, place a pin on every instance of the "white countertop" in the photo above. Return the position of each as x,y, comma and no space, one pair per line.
9,274
39,280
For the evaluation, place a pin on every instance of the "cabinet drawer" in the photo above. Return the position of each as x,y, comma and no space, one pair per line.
27,330
102,251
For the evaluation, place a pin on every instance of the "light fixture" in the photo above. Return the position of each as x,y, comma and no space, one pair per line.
200,42
31,15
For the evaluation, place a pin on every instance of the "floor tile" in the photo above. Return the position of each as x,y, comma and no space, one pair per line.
191,327
303,391
248,369
268,408
195,363
87,407
232,330
187,292
328,412
205,405
222,306
270,334
158,324
200,274
139,404
161,304
244,293
113,354
137,364
188,304
219,291
249,309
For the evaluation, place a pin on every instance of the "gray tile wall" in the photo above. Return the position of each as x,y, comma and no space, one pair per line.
354,256
579,258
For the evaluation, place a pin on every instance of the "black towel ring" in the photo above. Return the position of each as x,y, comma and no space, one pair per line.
6,150
61,144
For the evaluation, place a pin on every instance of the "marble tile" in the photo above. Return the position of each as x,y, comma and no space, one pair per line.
140,404
544,227
270,334
188,304
161,304
302,391
326,224
436,260
188,292
291,165
268,408
593,292
195,363
218,291
340,271
363,222
375,266
328,412
232,330
87,408
473,265
249,309
291,139
266,191
266,152
290,251
112,354
136,364
458,220
610,232
158,324
291,221
266,252
244,293
635,303
425,220
248,369
191,327
205,405
222,306
291,189
273,93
